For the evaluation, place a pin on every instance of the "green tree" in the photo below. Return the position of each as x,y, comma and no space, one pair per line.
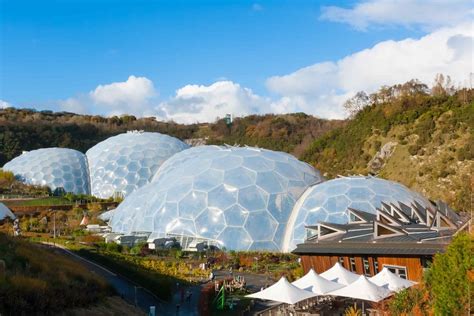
448,278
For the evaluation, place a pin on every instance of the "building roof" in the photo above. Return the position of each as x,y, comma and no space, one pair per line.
404,230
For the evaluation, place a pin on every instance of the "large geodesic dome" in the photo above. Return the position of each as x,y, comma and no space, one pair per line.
123,163
53,167
240,197
328,201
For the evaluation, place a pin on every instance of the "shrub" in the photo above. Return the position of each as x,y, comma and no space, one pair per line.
114,247
448,278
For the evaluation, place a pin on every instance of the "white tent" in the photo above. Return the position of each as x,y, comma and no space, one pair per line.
5,212
315,283
340,275
283,292
390,280
363,289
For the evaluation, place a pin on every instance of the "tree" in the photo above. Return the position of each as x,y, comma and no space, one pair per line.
442,86
448,280
359,101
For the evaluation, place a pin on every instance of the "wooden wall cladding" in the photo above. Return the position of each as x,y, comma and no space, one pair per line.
321,263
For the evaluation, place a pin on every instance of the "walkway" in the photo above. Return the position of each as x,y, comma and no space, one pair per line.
133,293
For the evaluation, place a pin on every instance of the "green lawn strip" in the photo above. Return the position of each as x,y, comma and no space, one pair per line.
159,284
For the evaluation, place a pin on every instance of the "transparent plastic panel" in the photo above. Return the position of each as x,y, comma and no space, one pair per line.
215,188
328,201
140,153
53,167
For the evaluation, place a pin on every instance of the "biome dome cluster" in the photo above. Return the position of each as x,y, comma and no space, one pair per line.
240,197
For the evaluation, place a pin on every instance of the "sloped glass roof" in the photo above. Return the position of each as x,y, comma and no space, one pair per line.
52,167
123,163
328,202
240,197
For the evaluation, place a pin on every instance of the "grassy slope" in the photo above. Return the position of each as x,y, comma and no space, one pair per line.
434,152
37,281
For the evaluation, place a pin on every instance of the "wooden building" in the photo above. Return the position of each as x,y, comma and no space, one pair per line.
402,238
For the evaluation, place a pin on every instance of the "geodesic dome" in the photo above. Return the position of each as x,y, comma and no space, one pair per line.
328,201
54,168
240,197
123,163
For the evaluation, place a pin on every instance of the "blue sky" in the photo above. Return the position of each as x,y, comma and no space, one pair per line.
54,51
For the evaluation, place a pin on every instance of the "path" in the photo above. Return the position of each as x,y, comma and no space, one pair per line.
133,293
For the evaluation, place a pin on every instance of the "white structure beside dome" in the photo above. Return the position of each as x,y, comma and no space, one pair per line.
238,197
125,162
328,202
52,167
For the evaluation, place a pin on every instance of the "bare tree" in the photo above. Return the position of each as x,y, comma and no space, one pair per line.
353,105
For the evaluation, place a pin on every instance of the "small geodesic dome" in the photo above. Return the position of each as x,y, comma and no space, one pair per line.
239,197
56,168
123,163
329,200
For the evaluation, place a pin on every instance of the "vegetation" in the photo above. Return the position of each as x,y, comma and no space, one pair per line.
450,279
433,134
27,129
153,277
37,281
447,286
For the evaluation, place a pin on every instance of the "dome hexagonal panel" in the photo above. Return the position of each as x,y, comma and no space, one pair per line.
239,197
53,167
125,162
328,202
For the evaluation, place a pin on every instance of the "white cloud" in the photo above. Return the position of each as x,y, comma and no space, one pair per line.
198,103
428,14
320,89
133,96
4,104
136,90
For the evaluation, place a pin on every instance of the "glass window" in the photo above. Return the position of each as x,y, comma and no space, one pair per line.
341,261
376,266
353,264
398,270
365,262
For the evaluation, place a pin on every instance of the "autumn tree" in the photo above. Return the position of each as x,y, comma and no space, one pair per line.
353,105
442,86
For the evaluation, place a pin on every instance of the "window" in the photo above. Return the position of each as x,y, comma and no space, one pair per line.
353,264
376,265
365,262
398,270
341,261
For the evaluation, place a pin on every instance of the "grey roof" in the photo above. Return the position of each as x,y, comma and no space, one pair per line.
369,248
371,237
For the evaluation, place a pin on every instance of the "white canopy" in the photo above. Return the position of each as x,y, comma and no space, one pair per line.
315,283
390,280
5,212
340,275
363,289
284,292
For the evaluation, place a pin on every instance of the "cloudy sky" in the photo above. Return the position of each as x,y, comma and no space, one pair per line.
193,61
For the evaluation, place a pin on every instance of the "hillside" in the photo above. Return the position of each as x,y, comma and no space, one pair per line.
423,141
407,133
26,129
36,281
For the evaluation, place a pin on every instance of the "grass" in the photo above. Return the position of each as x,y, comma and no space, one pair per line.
47,201
38,281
